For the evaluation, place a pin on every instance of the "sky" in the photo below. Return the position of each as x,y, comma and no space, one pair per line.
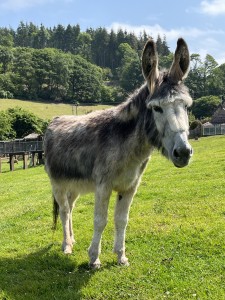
200,22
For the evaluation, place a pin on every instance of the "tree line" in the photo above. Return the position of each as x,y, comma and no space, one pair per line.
66,64
97,46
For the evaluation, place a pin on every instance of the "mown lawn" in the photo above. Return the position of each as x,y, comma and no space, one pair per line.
175,238
47,110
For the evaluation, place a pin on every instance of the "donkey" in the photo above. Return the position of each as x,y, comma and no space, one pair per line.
109,150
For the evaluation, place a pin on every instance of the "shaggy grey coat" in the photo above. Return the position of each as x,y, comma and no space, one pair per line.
108,150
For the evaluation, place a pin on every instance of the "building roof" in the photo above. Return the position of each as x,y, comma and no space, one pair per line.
208,125
31,136
219,115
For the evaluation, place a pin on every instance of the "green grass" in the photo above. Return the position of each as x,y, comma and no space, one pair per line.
47,110
175,237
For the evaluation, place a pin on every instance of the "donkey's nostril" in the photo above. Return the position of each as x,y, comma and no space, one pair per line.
181,156
175,153
181,153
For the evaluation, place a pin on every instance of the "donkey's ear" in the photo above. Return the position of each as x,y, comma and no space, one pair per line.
150,64
180,66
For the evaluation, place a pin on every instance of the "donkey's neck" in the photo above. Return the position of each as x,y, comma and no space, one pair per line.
135,105
135,108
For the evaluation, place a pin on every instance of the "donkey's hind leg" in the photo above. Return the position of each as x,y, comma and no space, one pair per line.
102,196
72,197
61,198
121,216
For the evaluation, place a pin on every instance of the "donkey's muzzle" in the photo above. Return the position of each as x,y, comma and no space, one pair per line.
181,156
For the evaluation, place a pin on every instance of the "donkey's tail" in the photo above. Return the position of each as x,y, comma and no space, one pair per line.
55,213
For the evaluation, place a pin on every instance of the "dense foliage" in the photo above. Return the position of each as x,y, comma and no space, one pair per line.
204,106
17,123
66,64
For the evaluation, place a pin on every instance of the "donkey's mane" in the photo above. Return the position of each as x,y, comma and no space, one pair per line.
135,103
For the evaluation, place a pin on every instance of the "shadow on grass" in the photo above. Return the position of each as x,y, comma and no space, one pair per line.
42,275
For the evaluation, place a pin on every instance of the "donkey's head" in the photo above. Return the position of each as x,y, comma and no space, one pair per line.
169,99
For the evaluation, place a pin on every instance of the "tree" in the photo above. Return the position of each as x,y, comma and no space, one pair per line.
165,48
108,93
161,45
71,38
52,70
6,58
216,82
166,61
6,131
85,81
7,87
112,51
200,73
6,37
205,106
99,47
42,64
58,37
84,45
61,69
42,38
22,36
32,32
23,73
24,122
130,75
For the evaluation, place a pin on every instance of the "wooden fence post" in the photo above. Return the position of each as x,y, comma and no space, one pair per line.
25,166
34,161
11,162
40,158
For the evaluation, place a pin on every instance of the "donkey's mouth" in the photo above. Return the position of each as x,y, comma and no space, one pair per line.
181,164
178,161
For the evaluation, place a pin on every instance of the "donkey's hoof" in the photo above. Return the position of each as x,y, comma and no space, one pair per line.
73,241
95,265
123,262
67,249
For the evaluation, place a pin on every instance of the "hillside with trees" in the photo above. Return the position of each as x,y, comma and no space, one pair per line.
67,65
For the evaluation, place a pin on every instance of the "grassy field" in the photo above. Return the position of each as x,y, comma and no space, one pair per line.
47,110
175,238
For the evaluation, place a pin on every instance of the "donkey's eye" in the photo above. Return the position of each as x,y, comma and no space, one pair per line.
158,109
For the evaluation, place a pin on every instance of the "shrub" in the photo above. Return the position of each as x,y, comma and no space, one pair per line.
24,122
195,124
6,131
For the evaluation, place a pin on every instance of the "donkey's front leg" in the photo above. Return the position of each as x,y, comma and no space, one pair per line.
121,219
102,196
